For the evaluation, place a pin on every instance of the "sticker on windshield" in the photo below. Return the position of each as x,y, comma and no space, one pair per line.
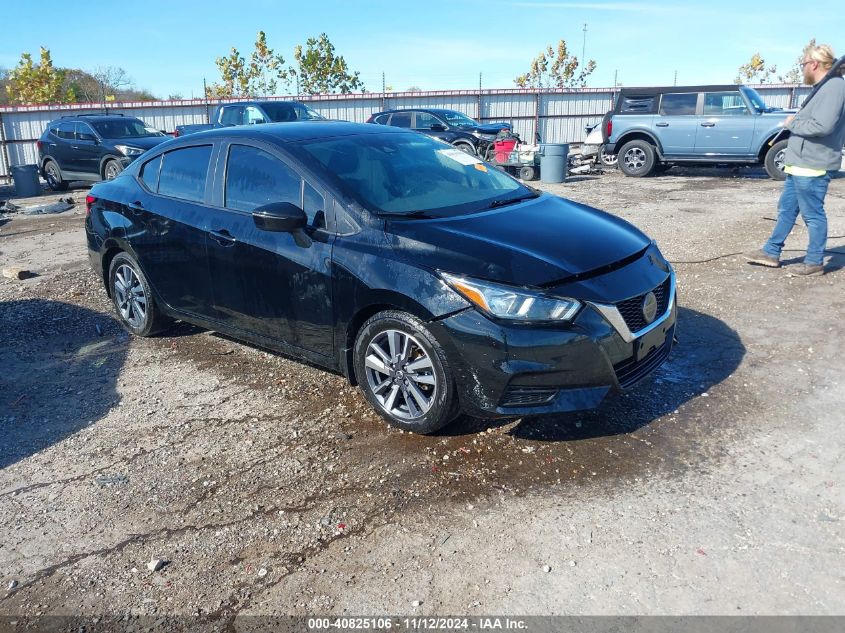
459,156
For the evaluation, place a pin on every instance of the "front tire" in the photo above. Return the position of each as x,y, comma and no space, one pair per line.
133,297
53,176
775,160
404,373
466,147
637,158
111,169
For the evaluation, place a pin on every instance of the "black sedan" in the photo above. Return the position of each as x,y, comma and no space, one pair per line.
435,282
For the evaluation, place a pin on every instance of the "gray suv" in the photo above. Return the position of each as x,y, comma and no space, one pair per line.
651,129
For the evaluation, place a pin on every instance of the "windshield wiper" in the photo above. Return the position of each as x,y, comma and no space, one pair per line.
424,215
502,203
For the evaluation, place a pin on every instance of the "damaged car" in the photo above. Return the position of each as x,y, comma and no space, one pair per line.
434,282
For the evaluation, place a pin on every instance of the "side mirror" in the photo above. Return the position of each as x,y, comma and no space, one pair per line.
279,217
438,127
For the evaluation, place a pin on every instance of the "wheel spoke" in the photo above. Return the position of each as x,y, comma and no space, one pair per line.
374,362
424,404
391,398
375,347
381,387
406,345
424,379
393,340
421,363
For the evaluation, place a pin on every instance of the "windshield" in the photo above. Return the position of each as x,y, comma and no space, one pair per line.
283,112
457,119
123,128
754,97
407,173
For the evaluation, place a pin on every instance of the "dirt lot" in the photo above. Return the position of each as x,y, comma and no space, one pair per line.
270,487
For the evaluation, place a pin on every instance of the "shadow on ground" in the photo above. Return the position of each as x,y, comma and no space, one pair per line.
59,373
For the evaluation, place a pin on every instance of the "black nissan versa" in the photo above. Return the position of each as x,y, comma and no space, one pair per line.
434,282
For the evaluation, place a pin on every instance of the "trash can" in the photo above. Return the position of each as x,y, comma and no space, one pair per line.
553,158
26,180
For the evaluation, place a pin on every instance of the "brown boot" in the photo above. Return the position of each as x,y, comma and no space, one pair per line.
762,258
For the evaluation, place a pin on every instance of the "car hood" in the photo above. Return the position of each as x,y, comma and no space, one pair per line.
489,128
143,142
538,242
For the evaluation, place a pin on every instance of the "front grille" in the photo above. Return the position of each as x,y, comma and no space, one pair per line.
516,396
630,372
632,309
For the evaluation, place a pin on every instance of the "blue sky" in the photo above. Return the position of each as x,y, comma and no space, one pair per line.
168,47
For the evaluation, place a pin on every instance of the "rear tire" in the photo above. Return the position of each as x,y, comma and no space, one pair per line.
527,173
133,298
775,160
404,373
637,158
53,176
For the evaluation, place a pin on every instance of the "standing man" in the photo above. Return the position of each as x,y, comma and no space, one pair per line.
817,134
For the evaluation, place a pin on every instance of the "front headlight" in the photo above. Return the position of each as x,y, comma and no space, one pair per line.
505,302
128,150
484,137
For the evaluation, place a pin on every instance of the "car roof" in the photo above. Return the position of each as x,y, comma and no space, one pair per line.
95,117
656,90
294,131
435,110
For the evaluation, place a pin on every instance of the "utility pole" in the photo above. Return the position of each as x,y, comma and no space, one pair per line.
584,47
615,75
382,83
676,79
479,82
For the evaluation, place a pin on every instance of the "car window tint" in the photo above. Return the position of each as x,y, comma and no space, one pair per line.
232,115
637,104
84,132
255,178
724,104
678,103
149,173
401,119
425,121
254,116
314,206
183,173
66,131
381,119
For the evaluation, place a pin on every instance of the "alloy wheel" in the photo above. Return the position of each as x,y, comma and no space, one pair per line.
112,170
635,158
400,374
780,160
130,297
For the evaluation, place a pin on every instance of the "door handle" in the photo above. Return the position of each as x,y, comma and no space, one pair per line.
136,207
708,125
662,124
222,237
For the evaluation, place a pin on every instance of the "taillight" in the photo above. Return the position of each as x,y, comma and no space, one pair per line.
89,201
38,144
176,134
609,127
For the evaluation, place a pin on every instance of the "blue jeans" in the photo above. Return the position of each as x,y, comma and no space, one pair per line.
805,195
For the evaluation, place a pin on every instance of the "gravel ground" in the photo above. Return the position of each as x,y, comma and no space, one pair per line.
269,487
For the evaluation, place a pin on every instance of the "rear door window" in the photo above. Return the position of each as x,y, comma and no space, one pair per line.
66,131
401,119
678,103
183,173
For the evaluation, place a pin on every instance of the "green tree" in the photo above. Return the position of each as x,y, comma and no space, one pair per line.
260,76
755,71
320,71
795,75
30,83
556,69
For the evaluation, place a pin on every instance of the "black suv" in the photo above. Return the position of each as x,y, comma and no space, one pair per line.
447,125
92,147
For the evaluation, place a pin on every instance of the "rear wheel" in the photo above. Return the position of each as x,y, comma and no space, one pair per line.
404,373
637,158
133,298
776,160
527,173
53,175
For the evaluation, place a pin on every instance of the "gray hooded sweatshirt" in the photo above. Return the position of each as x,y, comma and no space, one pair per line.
818,130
